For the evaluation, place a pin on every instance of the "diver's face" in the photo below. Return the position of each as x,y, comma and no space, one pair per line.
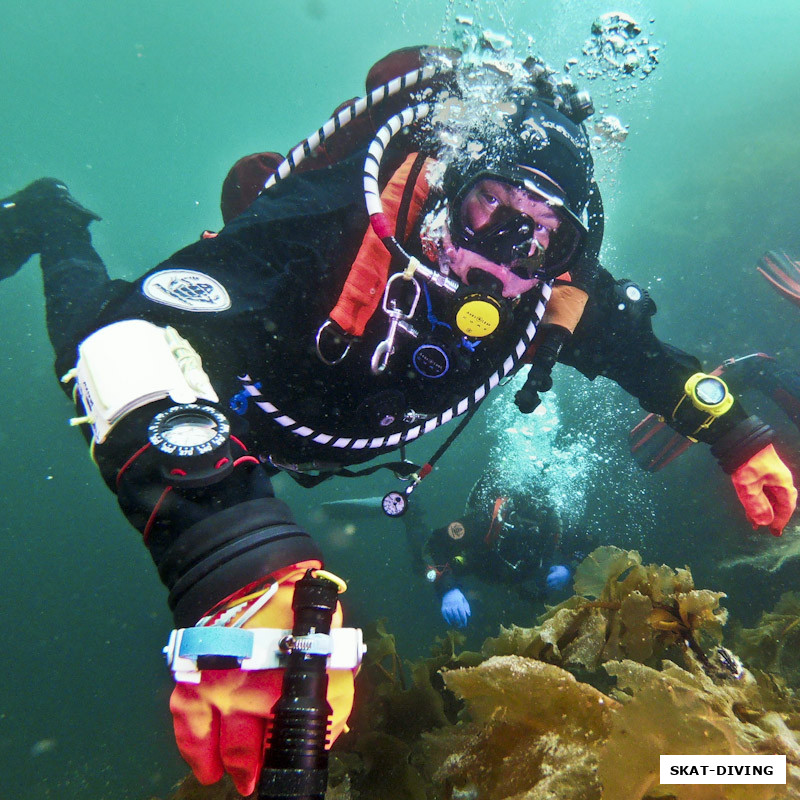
488,197
506,233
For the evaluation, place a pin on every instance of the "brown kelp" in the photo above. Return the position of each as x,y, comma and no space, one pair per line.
774,644
576,707
621,609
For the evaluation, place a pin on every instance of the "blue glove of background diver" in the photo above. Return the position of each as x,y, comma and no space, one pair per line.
455,608
516,539
557,577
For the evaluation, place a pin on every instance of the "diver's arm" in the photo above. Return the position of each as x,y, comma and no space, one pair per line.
554,524
615,339
445,563
444,560
229,552
766,375
211,527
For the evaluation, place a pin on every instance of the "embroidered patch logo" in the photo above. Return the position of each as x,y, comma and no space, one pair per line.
187,290
455,530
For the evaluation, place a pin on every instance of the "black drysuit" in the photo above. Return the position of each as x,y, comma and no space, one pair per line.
282,264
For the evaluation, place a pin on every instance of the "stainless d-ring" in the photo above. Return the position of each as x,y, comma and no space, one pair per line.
318,338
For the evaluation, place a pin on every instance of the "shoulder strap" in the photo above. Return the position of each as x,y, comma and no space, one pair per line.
363,289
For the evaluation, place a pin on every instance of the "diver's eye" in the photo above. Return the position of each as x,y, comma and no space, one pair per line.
489,199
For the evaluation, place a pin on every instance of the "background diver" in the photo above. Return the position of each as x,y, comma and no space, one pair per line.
510,536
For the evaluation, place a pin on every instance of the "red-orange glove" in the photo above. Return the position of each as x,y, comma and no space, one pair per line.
220,723
766,490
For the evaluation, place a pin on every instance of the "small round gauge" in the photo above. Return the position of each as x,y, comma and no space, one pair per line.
394,504
710,391
189,429
194,443
709,394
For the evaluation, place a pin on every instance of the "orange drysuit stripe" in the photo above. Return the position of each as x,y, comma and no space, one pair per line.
363,289
565,307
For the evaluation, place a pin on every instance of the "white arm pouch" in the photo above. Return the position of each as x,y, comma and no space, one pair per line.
129,364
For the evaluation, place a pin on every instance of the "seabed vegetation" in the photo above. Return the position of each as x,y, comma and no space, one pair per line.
579,706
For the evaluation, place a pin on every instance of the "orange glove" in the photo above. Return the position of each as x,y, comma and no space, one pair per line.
220,724
766,490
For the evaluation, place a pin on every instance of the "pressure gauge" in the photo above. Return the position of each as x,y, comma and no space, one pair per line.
394,504
194,444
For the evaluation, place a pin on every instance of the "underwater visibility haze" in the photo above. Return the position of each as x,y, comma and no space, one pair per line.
142,108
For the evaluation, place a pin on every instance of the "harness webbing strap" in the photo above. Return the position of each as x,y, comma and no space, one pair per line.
494,525
402,229
309,481
363,289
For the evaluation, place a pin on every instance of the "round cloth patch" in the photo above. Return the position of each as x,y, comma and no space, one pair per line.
187,290
455,530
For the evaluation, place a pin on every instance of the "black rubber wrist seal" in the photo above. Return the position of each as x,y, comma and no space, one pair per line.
741,443
224,552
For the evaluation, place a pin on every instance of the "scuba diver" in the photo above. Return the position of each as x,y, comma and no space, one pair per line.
396,267
511,537
654,445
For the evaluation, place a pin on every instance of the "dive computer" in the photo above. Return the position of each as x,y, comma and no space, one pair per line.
709,393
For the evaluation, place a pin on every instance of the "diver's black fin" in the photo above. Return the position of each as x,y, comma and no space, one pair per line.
43,208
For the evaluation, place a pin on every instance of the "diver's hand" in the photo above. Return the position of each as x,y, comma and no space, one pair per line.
455,608
557,577
765,488
221,723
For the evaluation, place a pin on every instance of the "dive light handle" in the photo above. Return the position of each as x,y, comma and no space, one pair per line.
539,378
296,761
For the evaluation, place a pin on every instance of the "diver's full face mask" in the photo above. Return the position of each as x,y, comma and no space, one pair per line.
523,230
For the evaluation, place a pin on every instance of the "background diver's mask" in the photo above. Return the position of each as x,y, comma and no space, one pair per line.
508,238
518,540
